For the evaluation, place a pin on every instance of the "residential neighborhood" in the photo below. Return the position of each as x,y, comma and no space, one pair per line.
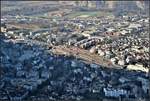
72,55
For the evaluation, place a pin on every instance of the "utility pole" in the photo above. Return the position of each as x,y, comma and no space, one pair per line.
77,3
97,4
87,3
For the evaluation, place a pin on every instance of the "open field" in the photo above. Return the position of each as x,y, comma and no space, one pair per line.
84,14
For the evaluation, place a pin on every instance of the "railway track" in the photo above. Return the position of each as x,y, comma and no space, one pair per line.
85,55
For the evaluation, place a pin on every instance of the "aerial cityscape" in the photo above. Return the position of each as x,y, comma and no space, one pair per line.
78,50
